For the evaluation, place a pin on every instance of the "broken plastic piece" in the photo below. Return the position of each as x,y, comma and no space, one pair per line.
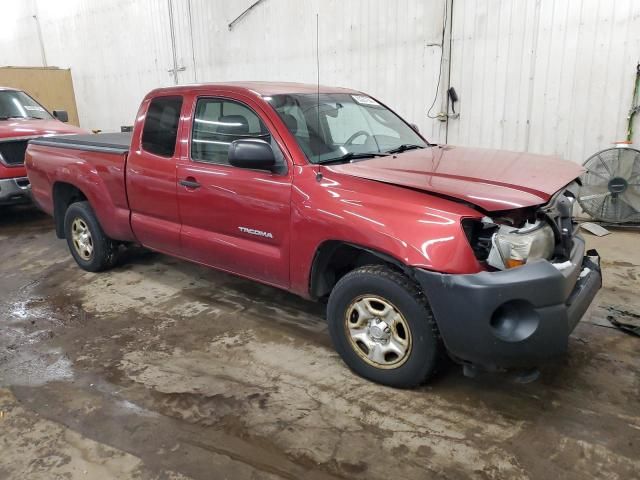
595,229
563,265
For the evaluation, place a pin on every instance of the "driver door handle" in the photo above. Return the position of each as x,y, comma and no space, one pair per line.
190,183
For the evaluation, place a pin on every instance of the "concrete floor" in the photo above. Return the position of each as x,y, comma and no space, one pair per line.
163,369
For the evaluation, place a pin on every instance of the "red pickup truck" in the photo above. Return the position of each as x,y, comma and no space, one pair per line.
21,119
418,248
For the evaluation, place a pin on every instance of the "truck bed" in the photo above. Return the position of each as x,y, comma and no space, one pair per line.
93,164
103,142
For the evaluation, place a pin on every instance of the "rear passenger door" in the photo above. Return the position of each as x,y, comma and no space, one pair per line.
151,176
233,218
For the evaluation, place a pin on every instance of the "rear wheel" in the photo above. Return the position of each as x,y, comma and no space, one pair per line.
92,250
383,328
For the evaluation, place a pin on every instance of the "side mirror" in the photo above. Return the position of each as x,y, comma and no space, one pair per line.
415,127
61,115
252,153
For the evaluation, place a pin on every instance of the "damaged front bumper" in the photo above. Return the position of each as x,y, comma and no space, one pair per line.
516,318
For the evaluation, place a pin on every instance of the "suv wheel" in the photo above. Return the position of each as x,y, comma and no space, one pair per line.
382,327
92,250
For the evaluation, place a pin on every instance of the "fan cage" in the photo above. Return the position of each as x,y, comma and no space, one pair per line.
610,189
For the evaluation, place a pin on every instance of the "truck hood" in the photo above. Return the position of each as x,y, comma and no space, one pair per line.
490,179
18,127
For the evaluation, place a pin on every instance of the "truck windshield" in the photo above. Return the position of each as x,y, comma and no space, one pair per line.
15,104
343,126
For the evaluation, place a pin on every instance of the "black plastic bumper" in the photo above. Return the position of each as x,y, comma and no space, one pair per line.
513,318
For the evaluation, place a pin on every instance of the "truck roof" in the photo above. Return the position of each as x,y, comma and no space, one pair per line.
260,88
9,89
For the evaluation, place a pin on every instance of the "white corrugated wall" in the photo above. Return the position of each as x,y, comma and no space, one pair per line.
120,49
548,76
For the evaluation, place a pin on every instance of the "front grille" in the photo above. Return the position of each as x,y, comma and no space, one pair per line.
12,153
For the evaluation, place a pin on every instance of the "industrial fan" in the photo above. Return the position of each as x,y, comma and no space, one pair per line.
611,184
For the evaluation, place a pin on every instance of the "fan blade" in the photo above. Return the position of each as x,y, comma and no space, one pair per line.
602,206
633,177
593,172
594,196
594,178
590,191
635,165
623,210
625,164
631,197
606,167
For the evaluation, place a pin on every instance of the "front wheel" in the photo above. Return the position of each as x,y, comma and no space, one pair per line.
383,328
92,250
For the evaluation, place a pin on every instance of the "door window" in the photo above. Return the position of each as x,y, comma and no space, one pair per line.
161,126
219,122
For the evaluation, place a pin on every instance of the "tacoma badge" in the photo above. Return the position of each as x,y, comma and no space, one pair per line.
252,231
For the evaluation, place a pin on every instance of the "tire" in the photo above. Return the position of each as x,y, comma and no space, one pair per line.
376,353
93,252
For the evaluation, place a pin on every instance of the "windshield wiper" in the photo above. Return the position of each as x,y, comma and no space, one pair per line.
404,147
347,157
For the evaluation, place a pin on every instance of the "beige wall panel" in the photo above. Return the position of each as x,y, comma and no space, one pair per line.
52,87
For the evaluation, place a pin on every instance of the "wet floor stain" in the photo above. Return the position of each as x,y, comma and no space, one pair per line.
171,370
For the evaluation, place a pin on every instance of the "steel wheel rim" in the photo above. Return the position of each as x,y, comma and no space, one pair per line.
378,332
82,240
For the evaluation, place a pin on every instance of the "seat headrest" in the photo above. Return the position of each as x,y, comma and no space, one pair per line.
291,122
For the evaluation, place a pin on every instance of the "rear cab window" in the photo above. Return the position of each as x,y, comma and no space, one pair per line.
160,129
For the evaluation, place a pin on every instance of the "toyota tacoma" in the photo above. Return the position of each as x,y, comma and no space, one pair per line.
418,249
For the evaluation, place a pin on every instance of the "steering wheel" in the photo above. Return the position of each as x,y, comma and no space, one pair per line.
359,133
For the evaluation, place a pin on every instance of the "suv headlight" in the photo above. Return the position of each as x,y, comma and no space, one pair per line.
512,247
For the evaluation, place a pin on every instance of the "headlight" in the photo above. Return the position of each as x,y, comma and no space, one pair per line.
512,247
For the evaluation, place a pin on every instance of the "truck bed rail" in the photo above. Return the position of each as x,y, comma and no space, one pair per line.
118,143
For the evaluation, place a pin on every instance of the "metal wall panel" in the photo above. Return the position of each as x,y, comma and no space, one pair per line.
548,76
120,49
376,46
545,76
19,44
117,50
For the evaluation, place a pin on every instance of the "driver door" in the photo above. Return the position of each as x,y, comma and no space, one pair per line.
234,219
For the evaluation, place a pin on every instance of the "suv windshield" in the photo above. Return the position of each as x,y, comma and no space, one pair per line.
15,104
343,126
